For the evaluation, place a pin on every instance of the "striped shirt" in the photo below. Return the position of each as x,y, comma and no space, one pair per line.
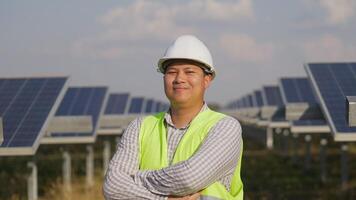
215,160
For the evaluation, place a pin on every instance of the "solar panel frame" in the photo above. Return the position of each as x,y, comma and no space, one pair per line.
50,95
317,126
327,83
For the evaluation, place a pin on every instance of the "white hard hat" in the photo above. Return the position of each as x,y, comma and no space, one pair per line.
188,47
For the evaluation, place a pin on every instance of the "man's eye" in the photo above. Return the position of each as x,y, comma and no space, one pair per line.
190,72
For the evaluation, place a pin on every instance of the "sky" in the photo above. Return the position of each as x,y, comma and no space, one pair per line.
118,43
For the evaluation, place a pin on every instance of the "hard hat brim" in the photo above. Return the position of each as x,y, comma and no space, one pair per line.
207,68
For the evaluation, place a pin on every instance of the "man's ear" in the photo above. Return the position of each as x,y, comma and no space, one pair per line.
207,80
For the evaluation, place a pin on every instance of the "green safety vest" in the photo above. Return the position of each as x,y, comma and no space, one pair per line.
153,149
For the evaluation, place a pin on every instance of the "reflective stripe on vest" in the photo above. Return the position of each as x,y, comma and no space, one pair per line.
153,149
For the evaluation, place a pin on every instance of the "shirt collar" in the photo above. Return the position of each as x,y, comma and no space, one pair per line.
168,117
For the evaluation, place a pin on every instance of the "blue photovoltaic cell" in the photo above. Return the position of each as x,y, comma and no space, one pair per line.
272,96
258,98
334,81
136,105
25,104
149,106
250,101
117,103
246,102
297,90
311,122
82,101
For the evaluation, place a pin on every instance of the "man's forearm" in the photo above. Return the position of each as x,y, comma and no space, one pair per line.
119,185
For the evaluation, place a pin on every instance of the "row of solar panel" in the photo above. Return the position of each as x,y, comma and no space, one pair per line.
289,90
27,106
117,104
328,85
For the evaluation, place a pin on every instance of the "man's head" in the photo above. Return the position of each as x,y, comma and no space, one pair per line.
188,70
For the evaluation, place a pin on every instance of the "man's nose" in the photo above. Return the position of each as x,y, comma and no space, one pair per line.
180,77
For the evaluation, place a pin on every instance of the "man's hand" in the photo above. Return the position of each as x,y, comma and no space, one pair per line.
189,197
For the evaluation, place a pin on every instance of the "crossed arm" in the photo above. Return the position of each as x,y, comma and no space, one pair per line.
216,158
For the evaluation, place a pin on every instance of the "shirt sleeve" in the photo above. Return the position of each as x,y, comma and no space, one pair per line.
119,183
216,158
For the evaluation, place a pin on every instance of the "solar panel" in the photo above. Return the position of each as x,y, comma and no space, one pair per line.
117,103
332,82
296,90
149,106
271,96
26,104
257,96
250,100
245,101
136,105
80,101
158,106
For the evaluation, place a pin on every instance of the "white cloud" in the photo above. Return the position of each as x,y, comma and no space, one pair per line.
142,19
145,21
244,48
339,11
218,10
328,49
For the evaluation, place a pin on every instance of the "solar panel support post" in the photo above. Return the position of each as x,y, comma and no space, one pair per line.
90,166
295,148
32,183
307,160
277,138
1,132
269,138
66,170
344,167
323,172
285,142
106,155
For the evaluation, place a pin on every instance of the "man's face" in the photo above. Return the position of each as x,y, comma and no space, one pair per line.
185,83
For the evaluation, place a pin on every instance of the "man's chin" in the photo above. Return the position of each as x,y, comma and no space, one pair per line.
179,101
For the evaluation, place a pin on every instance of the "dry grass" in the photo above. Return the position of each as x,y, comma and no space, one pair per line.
79,191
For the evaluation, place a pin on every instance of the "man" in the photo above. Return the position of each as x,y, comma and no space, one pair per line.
188,152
